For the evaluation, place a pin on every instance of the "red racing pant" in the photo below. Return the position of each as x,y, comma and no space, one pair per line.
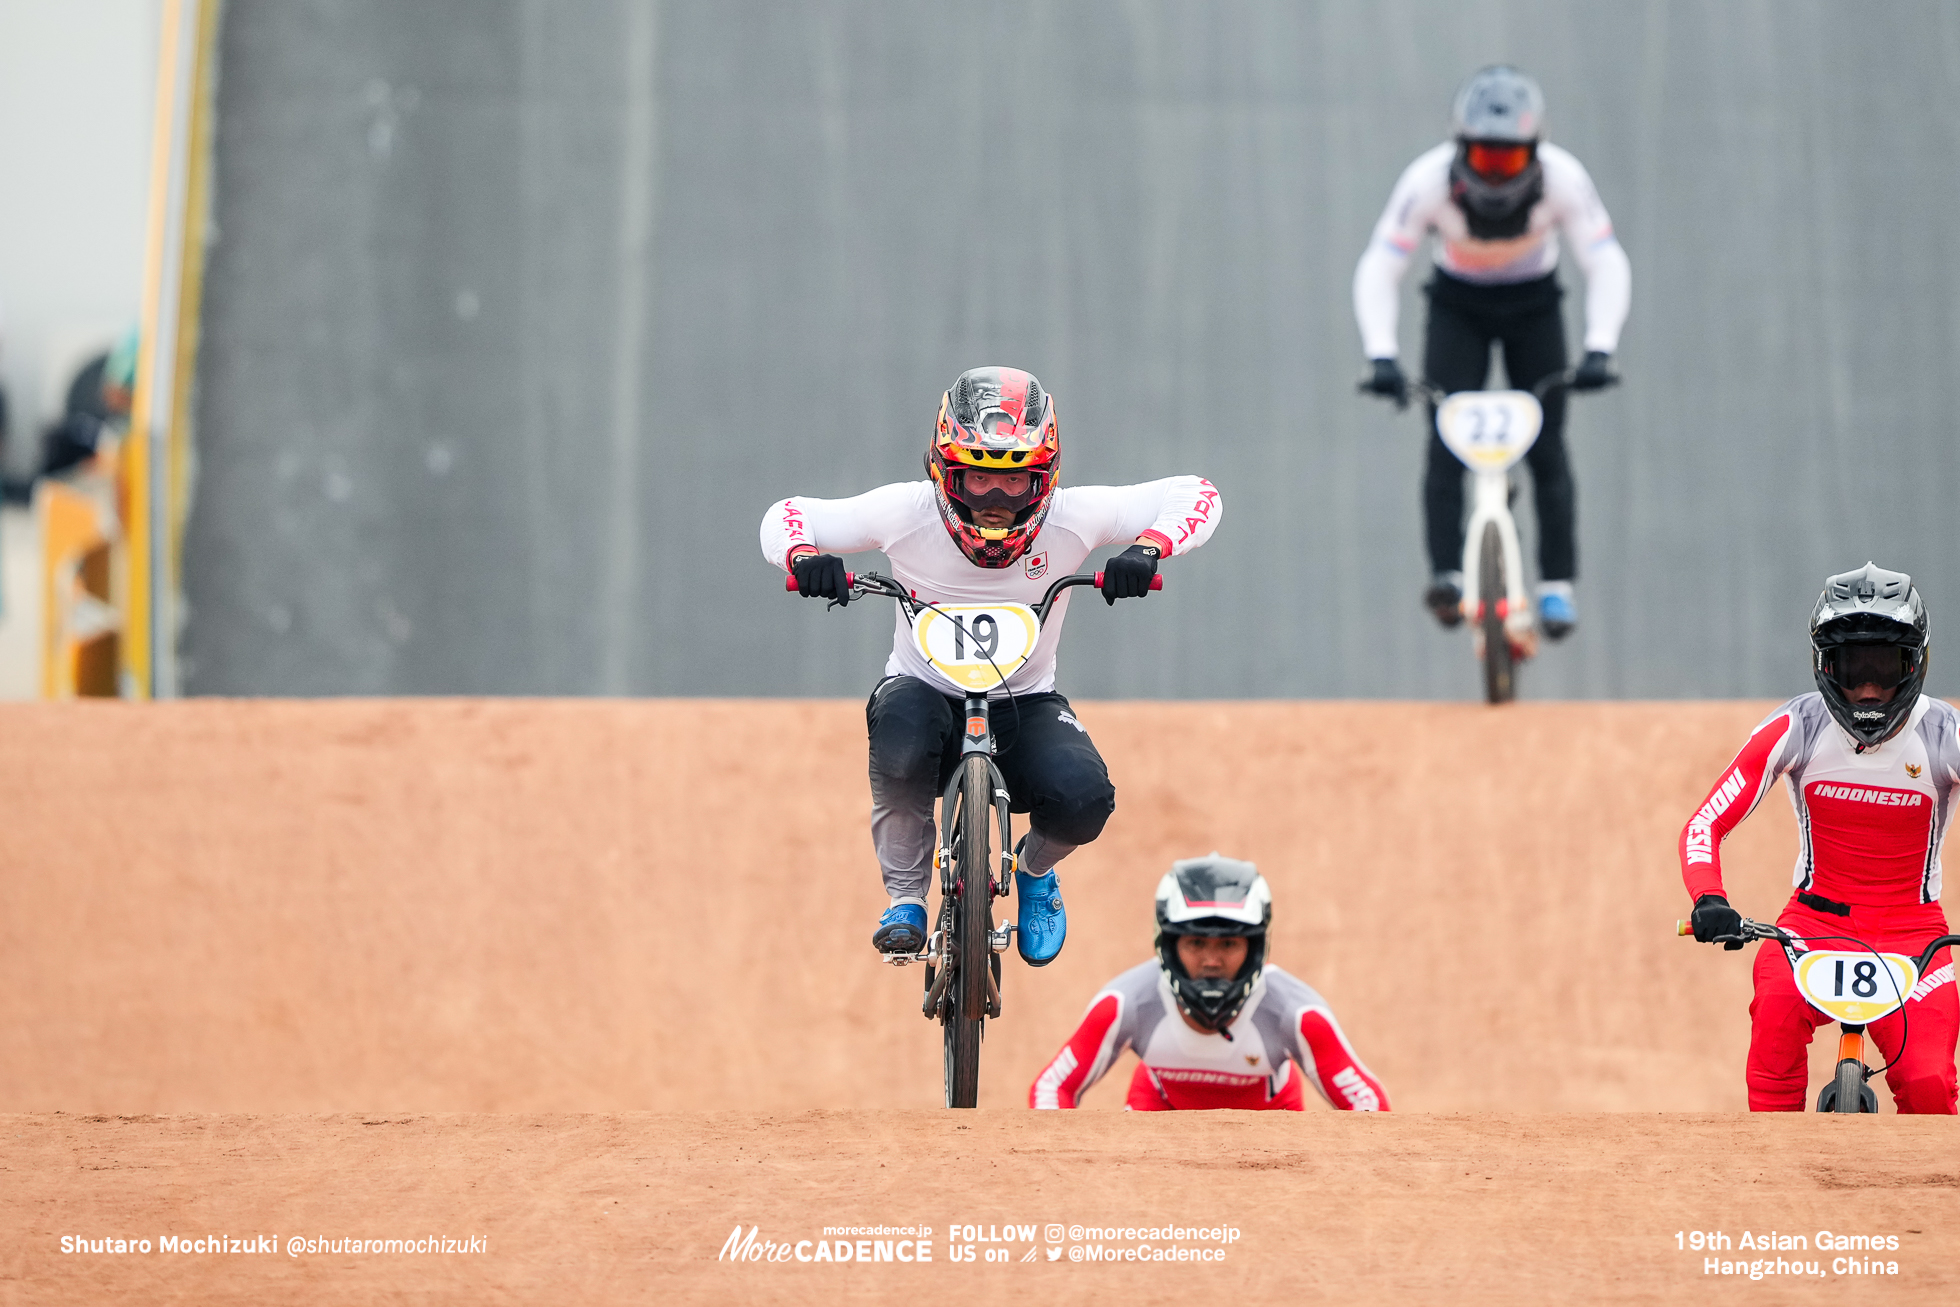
1921,1076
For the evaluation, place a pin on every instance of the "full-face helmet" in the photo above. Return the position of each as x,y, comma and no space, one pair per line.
1496,177
994,420
1869,628
1213,896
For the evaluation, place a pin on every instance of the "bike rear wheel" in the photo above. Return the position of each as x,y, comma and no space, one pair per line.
970,949
1500,671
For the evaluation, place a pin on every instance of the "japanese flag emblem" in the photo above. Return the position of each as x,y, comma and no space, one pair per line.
1036,565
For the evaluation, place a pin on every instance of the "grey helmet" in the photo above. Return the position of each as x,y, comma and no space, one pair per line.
1213,896
1869,626
1499,106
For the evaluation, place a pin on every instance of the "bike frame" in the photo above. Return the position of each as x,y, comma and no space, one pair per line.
1491,502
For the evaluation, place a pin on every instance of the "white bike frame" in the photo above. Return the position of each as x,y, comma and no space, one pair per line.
1489,431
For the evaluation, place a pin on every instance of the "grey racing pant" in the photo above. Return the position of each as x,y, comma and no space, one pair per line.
1051,767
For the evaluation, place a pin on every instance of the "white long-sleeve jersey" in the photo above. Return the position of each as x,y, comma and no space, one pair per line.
1284,1022
1179,513
1421,204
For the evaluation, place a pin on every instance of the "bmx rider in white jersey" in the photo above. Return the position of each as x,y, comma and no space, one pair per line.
988,525
1496,197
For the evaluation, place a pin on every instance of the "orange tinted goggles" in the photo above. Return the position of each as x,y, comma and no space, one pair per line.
1498,162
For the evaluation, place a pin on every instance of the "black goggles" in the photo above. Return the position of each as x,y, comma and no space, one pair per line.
1884,665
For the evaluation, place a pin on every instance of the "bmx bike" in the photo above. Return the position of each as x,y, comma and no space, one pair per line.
1489,431
1854,987
977,647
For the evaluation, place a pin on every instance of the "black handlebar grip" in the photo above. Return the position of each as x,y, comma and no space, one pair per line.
789,582
1156,582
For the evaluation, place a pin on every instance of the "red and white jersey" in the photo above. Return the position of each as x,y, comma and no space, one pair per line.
1869,824
1178,513
1421,204
1284,1023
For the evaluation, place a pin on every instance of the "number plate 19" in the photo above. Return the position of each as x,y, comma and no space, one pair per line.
1855,987
976,646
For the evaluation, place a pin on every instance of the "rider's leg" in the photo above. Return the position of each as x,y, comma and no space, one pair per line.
1055,775
1781,1026
1455,356
1534,348
911,725
1921,1075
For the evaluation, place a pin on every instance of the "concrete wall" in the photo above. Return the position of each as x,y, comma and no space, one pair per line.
522,312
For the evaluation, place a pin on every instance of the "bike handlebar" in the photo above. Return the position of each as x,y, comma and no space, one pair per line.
1754,930
851,580
1435,394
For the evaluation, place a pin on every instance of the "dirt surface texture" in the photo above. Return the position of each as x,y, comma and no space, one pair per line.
591,981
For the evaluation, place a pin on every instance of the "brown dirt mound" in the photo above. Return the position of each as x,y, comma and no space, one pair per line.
657,913
512,906
636,1208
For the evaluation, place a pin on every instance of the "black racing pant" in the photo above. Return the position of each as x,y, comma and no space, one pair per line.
1464,318
1051,767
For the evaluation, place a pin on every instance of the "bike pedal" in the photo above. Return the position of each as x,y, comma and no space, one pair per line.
998,940
906,959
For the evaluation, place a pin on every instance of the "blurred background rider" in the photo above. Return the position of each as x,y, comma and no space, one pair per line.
987,525
1873,767
1496,196
1213,1025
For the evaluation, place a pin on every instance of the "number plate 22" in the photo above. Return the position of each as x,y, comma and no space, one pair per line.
976,646
1858,988
1489,429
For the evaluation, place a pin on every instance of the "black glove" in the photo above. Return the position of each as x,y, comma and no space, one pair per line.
1713,919
1127,576
821,576
1596,372
1388,382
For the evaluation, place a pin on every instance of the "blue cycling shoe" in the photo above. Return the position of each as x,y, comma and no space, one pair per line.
1044,922
1557,614
901,930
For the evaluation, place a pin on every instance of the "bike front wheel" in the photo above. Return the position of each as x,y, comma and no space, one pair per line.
1848,1093
964,1015
1500,669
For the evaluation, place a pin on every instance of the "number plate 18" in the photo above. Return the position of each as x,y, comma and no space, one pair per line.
1855,987
976,646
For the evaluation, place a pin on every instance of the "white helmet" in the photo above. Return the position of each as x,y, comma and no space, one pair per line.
1212,896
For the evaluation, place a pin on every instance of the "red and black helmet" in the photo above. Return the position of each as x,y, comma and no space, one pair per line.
994,420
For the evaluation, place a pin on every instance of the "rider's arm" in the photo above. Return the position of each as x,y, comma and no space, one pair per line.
1401,228
1744,782
872,520
1176,514
1322,1049
1589,231
1096,1043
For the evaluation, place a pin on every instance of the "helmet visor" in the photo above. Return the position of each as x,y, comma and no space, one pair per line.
980,488
1884,665
1498,163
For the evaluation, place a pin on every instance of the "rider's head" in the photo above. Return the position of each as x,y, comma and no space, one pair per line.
1869,650
1212,915
1496,176
993,461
